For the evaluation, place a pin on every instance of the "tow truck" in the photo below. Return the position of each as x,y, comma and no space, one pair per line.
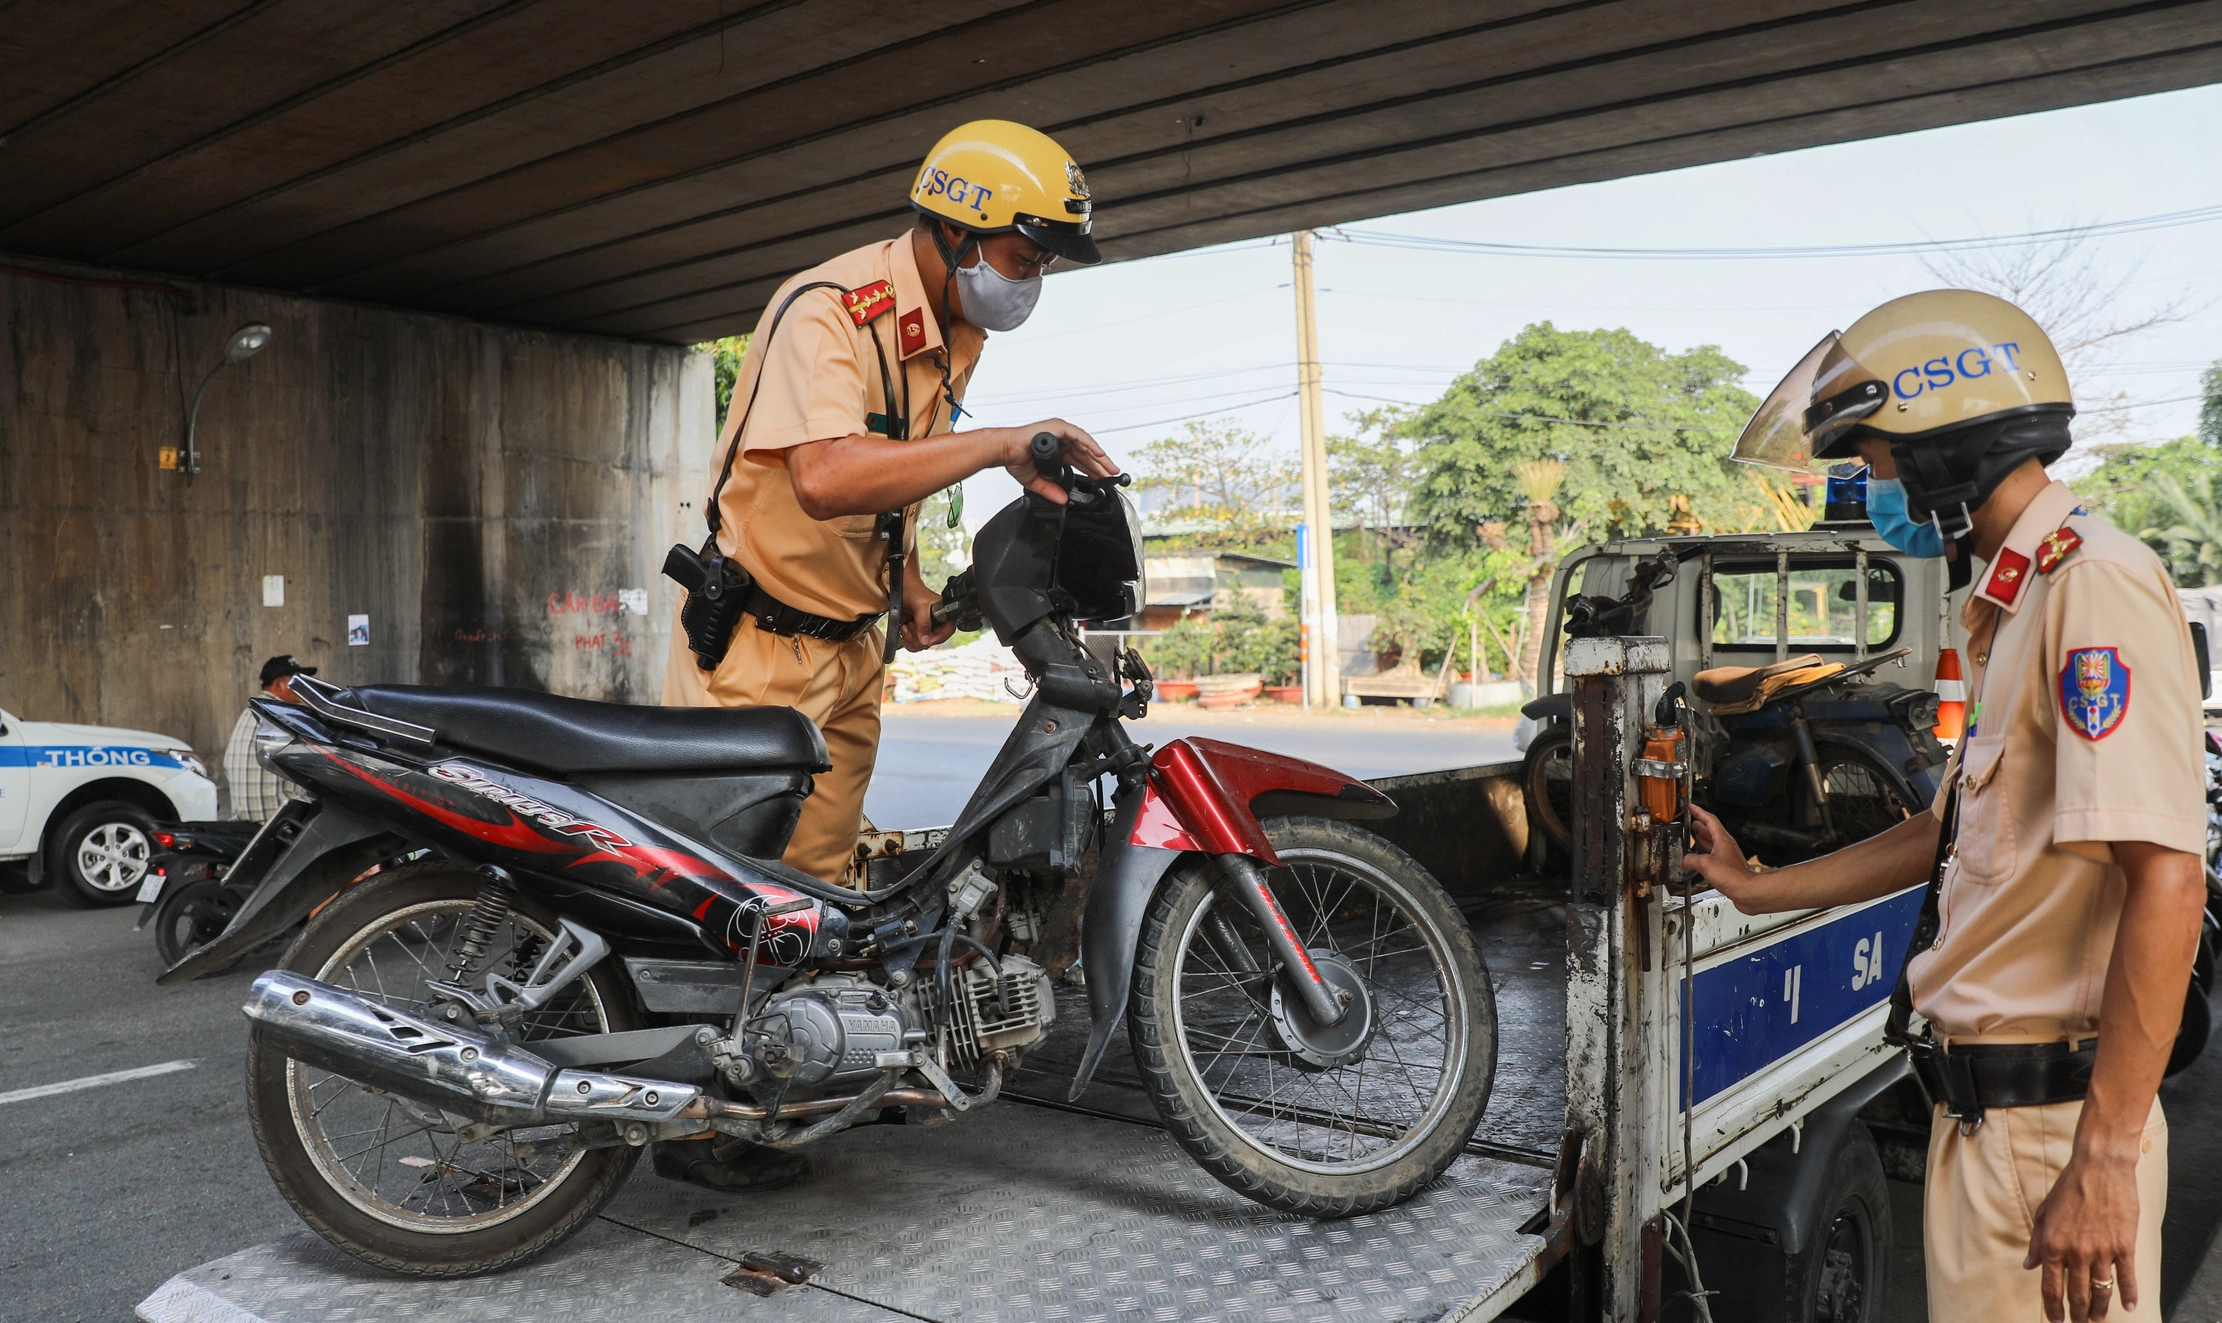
1688,1099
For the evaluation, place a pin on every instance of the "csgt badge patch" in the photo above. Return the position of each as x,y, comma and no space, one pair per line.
2094,691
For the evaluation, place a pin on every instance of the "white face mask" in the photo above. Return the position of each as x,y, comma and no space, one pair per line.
993,301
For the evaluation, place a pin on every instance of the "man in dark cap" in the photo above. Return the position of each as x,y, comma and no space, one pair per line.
255,793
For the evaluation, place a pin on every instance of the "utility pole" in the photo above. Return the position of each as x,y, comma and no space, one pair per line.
1316,555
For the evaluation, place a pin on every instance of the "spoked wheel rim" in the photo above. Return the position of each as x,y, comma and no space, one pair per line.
1862,801
1335,1120
113,857
387,1156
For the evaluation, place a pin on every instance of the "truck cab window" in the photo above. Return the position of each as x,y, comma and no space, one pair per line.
1824,604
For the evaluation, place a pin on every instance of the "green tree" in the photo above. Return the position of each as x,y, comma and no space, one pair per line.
2210,406
726,353
1634,425
1228,479
2125,485
2191,535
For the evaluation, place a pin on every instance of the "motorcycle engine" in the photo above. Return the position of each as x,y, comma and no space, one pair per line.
828,1031
826,1034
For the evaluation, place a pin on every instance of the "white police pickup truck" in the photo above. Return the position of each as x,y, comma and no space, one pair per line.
78,804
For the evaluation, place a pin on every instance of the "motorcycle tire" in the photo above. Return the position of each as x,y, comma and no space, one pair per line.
1266,1104
189,918
1547,785
387,1216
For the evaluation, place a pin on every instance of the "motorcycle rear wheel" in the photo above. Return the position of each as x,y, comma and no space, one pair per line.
361,1167
1330,1134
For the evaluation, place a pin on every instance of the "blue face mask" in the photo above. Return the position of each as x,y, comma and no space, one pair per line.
1886,506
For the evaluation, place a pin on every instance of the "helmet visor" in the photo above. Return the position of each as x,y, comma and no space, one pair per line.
1069,240
1809,416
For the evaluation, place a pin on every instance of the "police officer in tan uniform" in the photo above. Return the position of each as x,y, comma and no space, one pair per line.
843,412
842,421
2056,944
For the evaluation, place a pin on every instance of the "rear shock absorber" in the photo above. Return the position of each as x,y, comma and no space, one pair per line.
483,924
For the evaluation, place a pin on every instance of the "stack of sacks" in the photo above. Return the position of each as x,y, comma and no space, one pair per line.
975,670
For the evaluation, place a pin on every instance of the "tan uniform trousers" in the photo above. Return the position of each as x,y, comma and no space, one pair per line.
1980,1207
836,685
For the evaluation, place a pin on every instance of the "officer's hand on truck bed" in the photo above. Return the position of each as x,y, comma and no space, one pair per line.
1080,451
1717,858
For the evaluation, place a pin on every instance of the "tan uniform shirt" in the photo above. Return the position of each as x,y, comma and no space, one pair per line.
821,380
2088,732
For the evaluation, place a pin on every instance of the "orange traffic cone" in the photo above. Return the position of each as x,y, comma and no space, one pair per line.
1951,696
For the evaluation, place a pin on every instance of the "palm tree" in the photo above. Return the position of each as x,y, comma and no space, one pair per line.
1539,481
2194,539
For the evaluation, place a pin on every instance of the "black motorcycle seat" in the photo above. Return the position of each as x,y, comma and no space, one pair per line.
1733,684
568,735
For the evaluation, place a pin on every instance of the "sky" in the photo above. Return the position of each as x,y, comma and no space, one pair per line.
1131,349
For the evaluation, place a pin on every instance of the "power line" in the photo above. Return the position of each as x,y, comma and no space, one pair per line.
1191,417
2133,225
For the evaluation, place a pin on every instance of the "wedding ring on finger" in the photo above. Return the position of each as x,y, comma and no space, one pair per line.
2098,1285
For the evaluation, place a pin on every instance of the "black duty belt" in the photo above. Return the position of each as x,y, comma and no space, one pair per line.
1972,1078
776,617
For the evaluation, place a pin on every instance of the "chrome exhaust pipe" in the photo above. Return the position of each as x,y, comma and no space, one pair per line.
454,1068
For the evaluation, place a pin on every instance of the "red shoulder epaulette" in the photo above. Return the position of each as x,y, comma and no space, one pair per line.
2055,548
2007,574
869,301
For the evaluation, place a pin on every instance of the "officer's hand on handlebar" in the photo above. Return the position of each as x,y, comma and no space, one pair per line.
1076,447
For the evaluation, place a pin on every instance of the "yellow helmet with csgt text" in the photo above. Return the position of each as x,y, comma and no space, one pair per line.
1928,363
992,176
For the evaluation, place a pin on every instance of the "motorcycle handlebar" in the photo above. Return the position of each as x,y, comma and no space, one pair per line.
1048,453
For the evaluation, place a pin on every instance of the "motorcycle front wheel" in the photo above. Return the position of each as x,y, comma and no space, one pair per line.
1308,1120
389,1180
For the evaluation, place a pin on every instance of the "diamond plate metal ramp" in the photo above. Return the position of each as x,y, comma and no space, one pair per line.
1016,1215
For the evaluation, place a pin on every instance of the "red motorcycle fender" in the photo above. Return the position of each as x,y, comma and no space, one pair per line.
1203,796
1213,794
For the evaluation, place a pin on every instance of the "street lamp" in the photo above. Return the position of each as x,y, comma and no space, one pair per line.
244,344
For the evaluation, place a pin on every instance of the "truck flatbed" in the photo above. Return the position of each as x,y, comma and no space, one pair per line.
1035,1210
1034,1215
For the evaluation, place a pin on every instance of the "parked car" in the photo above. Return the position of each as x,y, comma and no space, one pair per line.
79,804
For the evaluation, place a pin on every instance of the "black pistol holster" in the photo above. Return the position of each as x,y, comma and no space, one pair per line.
717,594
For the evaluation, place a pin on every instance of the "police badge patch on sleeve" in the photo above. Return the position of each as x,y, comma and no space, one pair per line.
2094,691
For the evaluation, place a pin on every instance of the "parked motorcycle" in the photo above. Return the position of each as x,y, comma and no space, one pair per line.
1799,758
185,896
458,1061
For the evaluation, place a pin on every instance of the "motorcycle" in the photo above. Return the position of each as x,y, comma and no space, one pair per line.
185,897
1799,758
459,1060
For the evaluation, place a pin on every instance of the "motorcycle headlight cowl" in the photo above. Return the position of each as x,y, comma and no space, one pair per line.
270,737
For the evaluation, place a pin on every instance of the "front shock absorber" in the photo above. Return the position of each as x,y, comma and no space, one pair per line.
483,924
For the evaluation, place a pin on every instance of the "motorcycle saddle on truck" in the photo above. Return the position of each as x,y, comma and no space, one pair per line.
1733,689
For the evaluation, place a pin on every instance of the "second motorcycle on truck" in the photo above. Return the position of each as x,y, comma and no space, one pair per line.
458,1061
